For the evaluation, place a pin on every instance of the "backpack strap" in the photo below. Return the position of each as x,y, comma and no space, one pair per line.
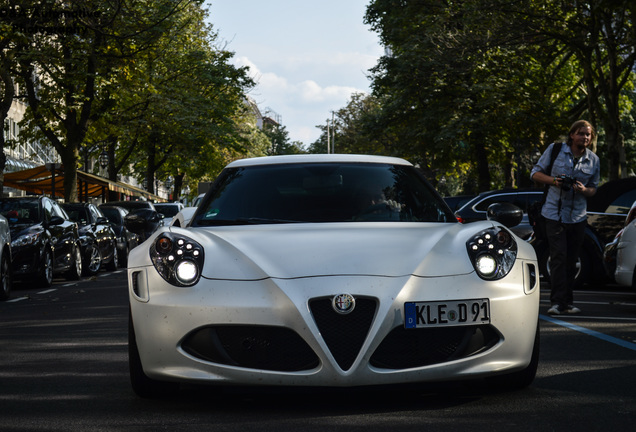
555,153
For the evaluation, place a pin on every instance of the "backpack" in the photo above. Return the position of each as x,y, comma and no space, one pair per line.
534,210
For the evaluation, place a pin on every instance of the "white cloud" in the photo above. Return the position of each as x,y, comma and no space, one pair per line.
297,102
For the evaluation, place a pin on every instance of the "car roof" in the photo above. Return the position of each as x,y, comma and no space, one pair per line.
317,158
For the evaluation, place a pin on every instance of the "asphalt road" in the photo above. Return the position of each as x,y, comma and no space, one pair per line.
63,366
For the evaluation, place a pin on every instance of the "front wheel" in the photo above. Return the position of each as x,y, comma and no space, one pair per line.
142,385
5,278
45,274
93,261
75,271
523,378
112,264
583,264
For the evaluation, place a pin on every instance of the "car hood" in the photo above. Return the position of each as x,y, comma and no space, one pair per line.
348,249
20,229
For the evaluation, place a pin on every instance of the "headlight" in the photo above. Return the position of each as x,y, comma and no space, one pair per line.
493,253
178,259
25,240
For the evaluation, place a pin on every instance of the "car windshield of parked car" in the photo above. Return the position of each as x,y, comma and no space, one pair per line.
168,210
20,212
77,214
322,192
112,214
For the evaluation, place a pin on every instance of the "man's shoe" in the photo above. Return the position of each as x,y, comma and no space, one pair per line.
573,309
554,310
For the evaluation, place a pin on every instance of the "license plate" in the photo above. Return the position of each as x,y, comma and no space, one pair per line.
446,313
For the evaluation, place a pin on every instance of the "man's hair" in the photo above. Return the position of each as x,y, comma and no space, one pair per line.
578,125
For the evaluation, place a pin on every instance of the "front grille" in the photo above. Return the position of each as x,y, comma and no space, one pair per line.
409,348
343,334
253,347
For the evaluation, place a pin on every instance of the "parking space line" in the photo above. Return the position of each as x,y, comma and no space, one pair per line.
17,299
48,291
611,339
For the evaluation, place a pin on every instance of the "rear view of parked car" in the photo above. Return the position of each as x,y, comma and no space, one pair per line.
168,210
97,239
44,241
126,240
143,212
5,259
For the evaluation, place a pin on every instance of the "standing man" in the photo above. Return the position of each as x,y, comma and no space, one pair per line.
574,177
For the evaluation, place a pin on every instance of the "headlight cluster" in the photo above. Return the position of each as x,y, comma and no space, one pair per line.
26,239
178,259
493,253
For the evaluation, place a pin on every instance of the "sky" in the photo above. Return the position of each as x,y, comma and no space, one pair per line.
307,57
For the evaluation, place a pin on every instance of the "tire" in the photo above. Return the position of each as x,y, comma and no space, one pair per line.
112,264
45,273
583,266
523,378
123,258
5,277
75,271
93,261
142,385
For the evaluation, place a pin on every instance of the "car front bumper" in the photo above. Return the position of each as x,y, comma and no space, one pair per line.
242,332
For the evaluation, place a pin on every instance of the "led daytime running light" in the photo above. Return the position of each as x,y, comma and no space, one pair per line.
178,259
493,253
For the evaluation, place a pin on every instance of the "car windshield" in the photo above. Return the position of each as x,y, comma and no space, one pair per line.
322,192
168,210
20,212
112,214
78,214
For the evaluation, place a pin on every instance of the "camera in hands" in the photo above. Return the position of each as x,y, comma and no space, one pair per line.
566,182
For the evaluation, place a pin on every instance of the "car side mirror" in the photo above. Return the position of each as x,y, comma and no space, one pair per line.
141,221
507,214
56,220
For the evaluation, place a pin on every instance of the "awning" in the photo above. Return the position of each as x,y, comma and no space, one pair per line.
39,180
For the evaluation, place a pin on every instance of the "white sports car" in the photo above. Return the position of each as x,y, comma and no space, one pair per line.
331,270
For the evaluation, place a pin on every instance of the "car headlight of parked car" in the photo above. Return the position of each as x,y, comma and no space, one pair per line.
493,253
178,259
26,239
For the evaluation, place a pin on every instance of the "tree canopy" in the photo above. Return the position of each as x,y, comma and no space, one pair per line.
474,90
144,80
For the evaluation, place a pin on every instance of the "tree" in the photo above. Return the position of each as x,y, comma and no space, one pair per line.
601,35
180,101
11,37
73,52
456,93
355,129
486,83
280,142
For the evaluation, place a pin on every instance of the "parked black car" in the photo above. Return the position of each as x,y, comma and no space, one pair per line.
476,208
97,239
126,240
455,202
5,259
44,240
153,219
